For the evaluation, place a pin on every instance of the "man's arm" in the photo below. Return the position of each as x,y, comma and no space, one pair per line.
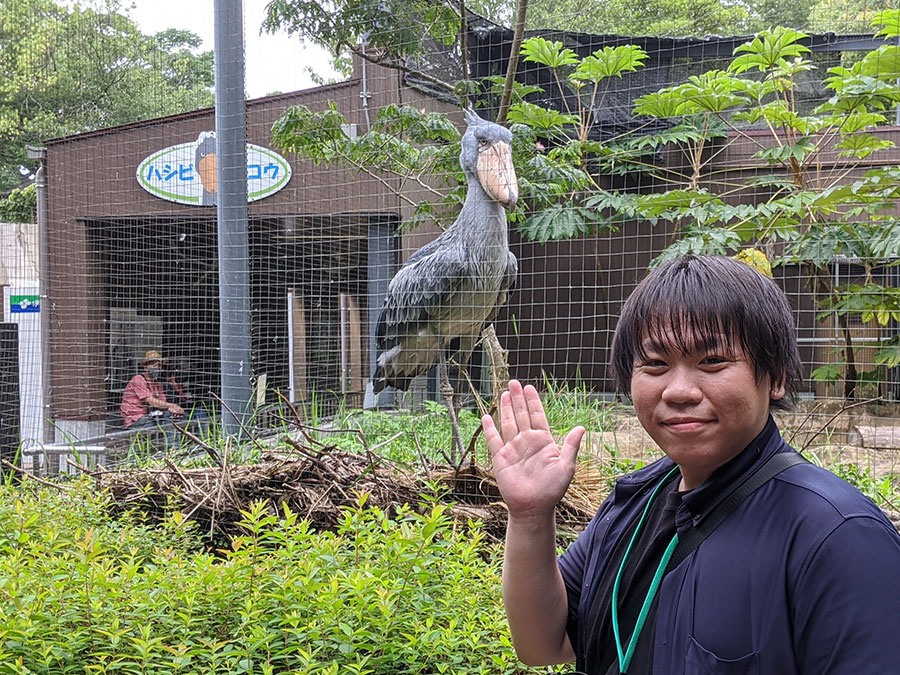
533,474
161,404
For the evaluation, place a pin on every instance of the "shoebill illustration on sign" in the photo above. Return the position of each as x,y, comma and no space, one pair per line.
205,160
453,287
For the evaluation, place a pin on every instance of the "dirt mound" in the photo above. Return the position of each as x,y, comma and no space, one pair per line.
316,483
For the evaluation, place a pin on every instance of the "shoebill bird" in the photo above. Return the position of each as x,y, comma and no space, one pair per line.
453,287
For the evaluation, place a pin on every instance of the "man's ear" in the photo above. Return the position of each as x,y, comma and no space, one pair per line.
778,388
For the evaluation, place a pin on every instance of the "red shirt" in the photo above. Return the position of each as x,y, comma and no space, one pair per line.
133,405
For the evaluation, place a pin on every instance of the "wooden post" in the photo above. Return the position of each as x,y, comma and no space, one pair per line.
352,379
297,333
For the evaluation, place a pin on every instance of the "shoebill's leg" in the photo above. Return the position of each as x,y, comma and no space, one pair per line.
456,449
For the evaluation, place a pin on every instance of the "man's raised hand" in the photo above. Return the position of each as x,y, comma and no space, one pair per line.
532,472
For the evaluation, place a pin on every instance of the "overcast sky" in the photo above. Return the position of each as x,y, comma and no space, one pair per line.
273,62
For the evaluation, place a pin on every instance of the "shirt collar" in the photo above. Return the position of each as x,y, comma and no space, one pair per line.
698,503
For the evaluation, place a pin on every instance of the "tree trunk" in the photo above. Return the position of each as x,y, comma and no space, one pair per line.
506,98
499,367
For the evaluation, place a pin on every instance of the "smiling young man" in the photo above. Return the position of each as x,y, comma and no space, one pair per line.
729,555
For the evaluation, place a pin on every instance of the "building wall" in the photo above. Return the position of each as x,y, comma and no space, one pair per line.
91,179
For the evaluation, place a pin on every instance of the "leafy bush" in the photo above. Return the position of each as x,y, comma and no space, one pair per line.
19,205
82,593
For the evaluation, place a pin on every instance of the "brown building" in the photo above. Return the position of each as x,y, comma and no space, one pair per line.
130,271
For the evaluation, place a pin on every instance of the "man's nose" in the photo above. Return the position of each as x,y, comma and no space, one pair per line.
682,387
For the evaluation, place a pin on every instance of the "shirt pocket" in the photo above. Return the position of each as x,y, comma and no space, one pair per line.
701,661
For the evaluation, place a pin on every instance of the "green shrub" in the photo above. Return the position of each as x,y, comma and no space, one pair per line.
82,593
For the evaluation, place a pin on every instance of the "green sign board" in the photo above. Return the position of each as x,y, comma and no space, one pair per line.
24,304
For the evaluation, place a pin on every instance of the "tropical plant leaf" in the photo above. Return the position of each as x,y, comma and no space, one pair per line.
547,53
559,221
768,49
519,91
862,145
784,153
701,241
831,372
417,125
713,91
662,104
888,354
539,118
889,20
609,62
318,136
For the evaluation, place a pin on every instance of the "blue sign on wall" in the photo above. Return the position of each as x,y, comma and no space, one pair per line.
21,304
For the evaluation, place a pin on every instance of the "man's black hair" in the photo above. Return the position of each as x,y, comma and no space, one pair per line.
706,300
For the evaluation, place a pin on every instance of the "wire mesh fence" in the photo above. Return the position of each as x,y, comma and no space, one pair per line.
627,147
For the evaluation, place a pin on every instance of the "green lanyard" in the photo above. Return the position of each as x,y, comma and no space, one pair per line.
625,657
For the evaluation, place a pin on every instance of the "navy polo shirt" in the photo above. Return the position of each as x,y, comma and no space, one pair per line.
803,577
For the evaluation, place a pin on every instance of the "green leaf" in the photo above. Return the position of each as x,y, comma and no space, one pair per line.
768,49
857,121
831,372
547,53
701,241
417,125
859,93
712,91
315,135
889,20
862,145
519,92
783,153
609,62
779,114
674,202
539,118
662,104
560,221
889,354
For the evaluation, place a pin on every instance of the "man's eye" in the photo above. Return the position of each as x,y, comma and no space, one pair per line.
714,360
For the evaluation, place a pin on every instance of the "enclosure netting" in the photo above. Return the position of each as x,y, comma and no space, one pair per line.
793,159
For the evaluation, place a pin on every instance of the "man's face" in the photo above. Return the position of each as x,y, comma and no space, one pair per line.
702,408
153,369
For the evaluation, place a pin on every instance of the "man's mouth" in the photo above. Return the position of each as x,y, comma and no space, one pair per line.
685,424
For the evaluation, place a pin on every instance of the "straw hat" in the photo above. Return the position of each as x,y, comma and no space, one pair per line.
151,355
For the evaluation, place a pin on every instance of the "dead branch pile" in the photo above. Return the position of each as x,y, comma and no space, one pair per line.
317,482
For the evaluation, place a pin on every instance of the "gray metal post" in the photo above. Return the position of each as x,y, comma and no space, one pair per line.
231,210
381,255
40,180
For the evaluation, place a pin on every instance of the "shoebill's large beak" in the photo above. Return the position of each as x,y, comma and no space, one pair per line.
497,174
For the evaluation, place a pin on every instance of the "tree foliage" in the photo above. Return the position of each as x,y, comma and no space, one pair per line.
810,213
67,69
703,17
19,205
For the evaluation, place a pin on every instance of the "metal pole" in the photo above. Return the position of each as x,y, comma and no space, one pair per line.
231,210
40,180
292,386
381,267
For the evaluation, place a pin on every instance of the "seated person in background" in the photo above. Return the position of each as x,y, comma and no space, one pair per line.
144,400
